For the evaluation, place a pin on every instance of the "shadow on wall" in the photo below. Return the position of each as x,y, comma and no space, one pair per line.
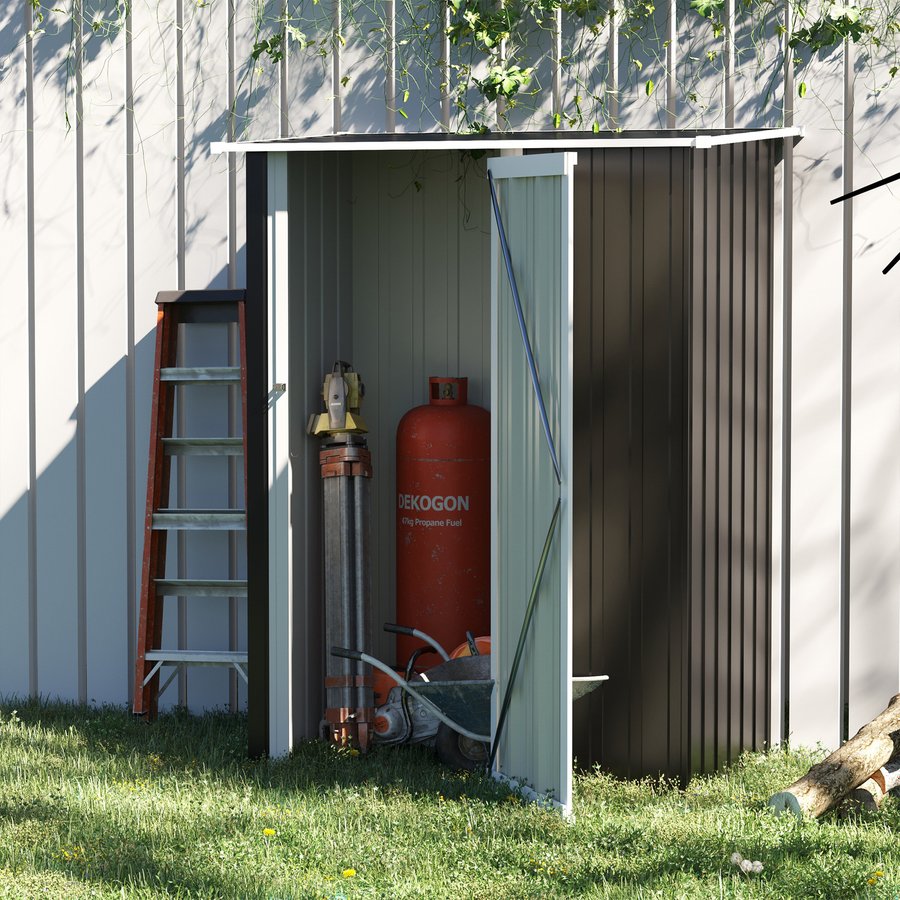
60,638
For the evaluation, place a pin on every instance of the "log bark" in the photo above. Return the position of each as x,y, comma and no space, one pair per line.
847,768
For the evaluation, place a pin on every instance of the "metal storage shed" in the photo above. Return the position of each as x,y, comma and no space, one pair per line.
646,266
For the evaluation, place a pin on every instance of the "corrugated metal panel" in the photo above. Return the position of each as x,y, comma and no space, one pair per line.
630,457
536,743
731,450
420,308
105,398
321,264
681,626
17,236
138,139
57,412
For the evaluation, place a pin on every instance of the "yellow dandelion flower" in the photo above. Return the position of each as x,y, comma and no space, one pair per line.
269,832
871,881
348,873
879,874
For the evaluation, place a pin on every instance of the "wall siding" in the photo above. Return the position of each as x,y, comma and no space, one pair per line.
98,217
421,307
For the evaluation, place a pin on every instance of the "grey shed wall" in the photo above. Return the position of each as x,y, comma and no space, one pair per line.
673,331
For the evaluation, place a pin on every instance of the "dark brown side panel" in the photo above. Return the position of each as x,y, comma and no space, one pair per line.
673,294
630,439
730,489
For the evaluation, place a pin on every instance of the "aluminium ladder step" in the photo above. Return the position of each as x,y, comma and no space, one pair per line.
235,659
179,446
199,520
201,374
193,587
198,657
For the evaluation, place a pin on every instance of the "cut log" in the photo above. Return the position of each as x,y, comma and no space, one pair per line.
829,781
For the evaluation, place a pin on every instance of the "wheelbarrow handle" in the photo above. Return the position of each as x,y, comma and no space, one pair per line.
414,632
347,654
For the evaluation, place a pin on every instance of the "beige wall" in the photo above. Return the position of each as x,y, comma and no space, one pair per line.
95,219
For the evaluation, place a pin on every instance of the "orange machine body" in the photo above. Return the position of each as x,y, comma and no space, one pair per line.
443,518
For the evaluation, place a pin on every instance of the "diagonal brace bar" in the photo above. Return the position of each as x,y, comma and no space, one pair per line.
532,366
523,635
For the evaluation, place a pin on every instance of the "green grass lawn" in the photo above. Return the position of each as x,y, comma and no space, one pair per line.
93,804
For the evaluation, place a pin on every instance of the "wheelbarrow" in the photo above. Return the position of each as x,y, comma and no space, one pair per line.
449,703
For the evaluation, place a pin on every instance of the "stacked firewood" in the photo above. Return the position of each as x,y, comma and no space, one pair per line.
857,775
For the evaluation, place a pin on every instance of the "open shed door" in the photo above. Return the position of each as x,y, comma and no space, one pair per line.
531,509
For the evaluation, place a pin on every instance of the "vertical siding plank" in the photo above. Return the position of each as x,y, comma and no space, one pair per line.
700,78
635,432
132,567
585,711
105,345
680,596
56,370
472,224
367,329
697,455
815,493
709,646
724,385
846,385
874,563
611,499
612,55
754,294
764,450
154,225
653,249
736,685
308,346
206,265
15,235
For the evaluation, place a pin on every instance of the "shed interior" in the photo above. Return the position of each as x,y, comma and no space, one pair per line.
390,268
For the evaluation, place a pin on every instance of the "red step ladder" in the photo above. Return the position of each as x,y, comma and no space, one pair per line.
184,308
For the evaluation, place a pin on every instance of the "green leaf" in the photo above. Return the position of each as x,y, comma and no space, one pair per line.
801,89
595,128
556,120
648,88
405,96
403,113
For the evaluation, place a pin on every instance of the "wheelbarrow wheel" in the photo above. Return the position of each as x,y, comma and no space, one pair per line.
459,752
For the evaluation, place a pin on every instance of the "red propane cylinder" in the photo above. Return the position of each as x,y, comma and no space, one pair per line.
443,518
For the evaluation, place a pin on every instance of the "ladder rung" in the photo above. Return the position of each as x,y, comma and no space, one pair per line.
203,374
191,587
200,519
203,446
197,657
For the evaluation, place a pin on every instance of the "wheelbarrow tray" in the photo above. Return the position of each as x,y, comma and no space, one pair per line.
461,689
468,703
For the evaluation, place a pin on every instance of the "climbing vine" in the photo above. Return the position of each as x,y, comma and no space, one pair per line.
502,52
